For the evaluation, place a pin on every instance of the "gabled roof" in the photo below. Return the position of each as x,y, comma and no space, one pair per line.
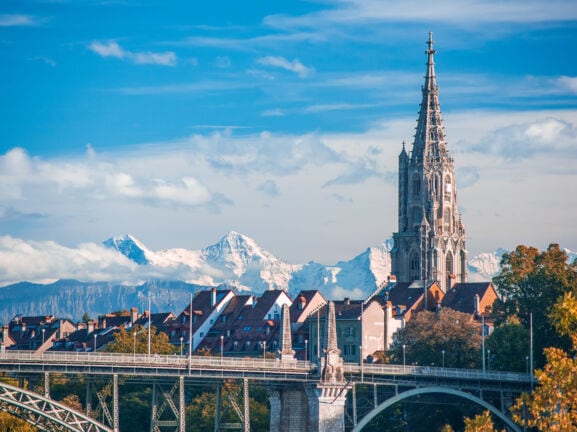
304,304
203,303
462,296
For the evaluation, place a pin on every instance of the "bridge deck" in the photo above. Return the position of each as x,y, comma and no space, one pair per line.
159,366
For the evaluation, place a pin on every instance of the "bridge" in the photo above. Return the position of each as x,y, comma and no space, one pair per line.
303,396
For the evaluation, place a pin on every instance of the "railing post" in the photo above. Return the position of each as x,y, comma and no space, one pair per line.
47,385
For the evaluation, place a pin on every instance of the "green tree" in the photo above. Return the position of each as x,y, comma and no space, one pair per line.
136,339
530,282
428,334
85,318
509,347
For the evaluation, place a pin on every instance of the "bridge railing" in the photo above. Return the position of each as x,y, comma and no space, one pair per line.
154,360
472,374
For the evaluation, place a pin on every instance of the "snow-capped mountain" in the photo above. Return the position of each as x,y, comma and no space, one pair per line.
484,266
239,261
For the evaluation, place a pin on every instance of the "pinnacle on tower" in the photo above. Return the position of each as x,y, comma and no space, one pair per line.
286,352
332,365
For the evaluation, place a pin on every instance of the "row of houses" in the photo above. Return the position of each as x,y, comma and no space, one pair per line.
224,322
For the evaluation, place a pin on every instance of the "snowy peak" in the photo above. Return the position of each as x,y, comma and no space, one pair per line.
130,247
237,251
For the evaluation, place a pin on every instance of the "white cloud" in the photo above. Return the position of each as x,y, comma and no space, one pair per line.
568,83
359,12
114,50
18,20
292,66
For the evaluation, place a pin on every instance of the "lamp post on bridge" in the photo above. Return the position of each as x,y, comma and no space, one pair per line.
443,352
306,349
221,347
134,343
527,365
263,349
404,359
181,339
43,330
488,359
94,343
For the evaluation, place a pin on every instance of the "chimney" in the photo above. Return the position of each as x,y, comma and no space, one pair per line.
392,278
452,280
23,327
388,320
133,315
90,327
476,301
213,297
347,300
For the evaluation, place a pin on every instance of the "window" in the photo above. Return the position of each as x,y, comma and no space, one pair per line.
417,215
447,219
414,266
448,188
449,263
416,185
247,328
350,350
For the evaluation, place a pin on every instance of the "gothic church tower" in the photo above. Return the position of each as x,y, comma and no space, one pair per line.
430,242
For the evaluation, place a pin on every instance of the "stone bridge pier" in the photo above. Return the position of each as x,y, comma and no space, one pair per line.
315,406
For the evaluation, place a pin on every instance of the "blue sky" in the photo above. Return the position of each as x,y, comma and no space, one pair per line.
180,121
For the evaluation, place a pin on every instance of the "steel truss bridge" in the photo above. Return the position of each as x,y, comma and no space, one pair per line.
371,388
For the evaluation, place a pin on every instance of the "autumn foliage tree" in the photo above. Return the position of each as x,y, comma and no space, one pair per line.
552,406
530,283
428,334
136,340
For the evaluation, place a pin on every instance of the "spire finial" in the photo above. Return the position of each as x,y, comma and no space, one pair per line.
430,44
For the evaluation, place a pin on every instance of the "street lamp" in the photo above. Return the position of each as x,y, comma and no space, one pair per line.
221,346
134,343
306,349
94,343
181,338
443,352
43,330
404,346
264,349
527,364
488,359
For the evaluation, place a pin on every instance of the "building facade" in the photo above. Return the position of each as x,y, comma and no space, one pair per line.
430,242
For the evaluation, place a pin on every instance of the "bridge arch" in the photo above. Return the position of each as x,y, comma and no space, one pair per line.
45,414
426,390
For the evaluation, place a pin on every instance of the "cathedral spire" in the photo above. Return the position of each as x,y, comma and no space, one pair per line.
430,243
430,136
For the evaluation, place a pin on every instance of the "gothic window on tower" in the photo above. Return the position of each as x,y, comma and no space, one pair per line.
417,215
449,263
448,188
414,266
447,219
416,186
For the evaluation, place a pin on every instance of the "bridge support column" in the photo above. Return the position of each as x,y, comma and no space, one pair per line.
164,407
308,408
115,411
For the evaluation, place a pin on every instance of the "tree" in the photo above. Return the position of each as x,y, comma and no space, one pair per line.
530,282
136,340
85,318
433,337
509,347
480,423
9,423
552,406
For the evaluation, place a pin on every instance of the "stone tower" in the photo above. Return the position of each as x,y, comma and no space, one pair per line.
430,242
